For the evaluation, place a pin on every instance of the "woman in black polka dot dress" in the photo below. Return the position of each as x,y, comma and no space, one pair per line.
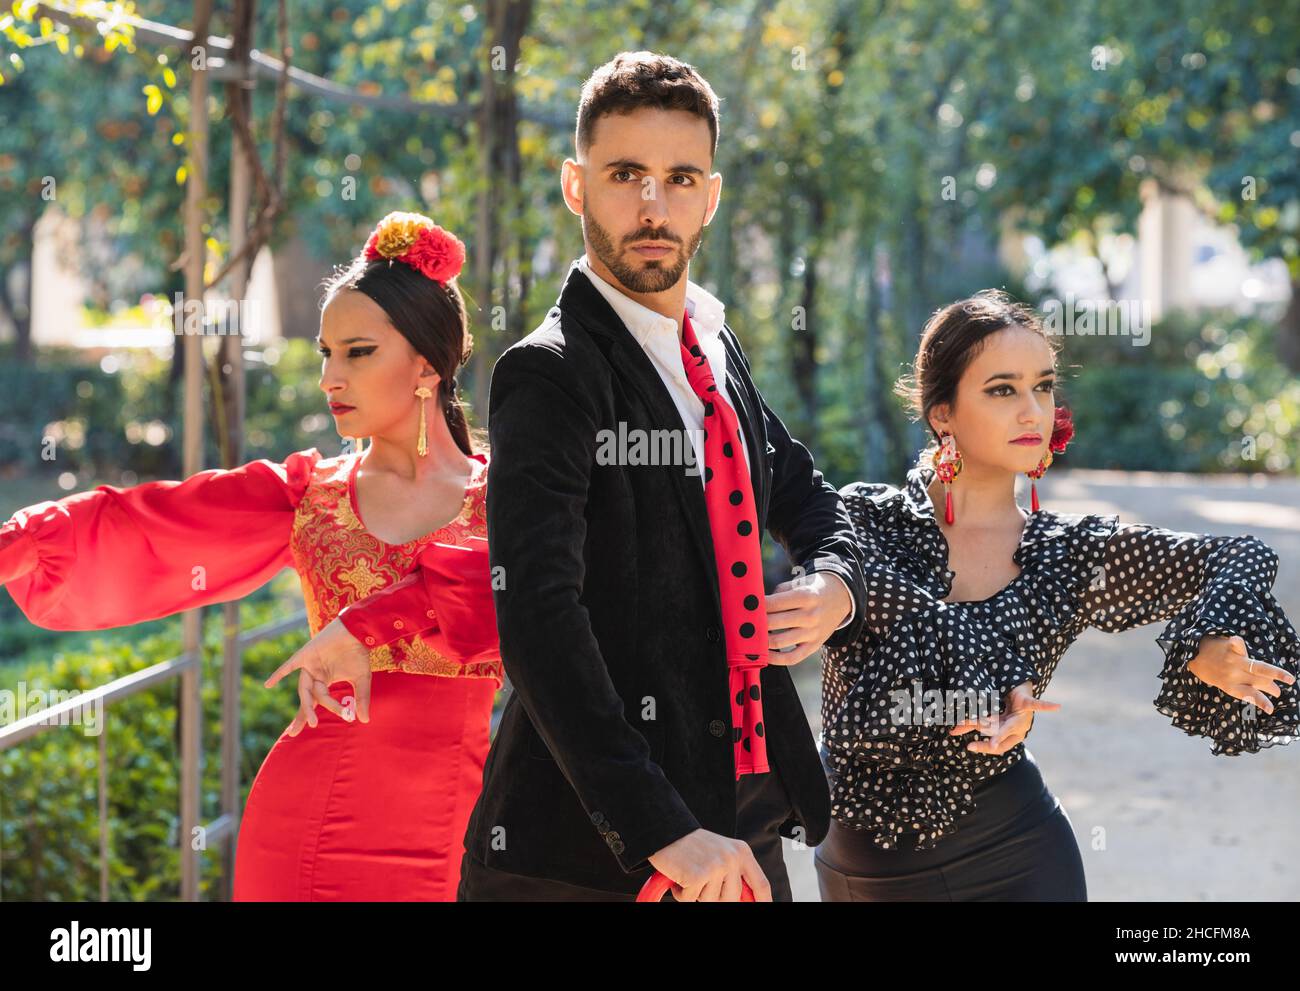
930,801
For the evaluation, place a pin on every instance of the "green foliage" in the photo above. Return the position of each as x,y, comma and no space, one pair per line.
1204,395
118,425
872,155
111,160
1200,97
84,411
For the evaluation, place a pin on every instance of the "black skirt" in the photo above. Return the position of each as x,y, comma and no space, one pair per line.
1017,845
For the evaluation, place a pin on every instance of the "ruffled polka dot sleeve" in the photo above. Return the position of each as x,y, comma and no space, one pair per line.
1204,586
890,596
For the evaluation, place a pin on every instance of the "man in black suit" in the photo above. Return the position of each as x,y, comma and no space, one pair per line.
614,755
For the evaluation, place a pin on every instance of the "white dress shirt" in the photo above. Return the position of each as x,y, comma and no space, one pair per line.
657,335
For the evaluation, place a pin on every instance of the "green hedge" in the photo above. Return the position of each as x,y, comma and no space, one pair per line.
1206,394
49,818
101,415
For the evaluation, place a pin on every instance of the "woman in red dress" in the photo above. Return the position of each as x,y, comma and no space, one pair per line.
390,546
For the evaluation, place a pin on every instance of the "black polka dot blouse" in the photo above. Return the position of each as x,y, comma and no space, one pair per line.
895,770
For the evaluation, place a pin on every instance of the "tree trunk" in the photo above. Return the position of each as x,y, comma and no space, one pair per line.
804,342
498,134
875,416
18,308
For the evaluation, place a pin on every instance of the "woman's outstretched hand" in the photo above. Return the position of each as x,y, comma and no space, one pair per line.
1004,730
331,655
1224,663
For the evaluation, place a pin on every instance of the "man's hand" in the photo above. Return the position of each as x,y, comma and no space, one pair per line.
707,867
1005,730
802,613
331,655
1224,663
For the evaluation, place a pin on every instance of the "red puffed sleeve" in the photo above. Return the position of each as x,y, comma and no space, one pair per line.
447,599
116,556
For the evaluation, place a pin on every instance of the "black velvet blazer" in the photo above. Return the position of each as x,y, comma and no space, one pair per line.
616,739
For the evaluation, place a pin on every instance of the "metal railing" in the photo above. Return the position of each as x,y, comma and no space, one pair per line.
188,668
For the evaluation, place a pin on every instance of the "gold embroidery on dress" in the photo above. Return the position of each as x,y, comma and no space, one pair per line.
381,658
362,578
348,519
340,562
313,611
423,659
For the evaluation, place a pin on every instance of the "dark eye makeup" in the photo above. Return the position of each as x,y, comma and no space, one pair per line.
997,389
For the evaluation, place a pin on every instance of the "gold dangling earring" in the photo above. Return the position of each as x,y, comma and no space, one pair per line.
422,445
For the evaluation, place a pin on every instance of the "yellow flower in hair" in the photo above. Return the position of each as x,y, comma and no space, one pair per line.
414,239
397,232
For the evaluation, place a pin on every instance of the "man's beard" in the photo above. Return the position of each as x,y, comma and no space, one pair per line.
654,277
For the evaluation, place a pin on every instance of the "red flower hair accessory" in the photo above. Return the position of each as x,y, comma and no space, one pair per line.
1062,430
417,241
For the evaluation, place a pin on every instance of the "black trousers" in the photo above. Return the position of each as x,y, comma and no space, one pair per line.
1018,845
762,804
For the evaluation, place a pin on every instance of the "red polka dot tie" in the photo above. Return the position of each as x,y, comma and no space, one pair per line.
733,520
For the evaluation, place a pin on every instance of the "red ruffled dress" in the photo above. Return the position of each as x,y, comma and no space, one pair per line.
344,811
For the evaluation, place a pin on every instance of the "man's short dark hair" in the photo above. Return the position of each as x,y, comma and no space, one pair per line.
632,80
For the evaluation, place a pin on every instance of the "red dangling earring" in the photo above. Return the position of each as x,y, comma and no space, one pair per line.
947,466
1036,474
1062,434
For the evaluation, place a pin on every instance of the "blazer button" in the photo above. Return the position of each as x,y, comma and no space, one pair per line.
717,727
712,634
618,847
603,829
598,817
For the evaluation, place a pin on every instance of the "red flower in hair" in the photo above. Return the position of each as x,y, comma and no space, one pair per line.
417,241
437,253
1062,430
